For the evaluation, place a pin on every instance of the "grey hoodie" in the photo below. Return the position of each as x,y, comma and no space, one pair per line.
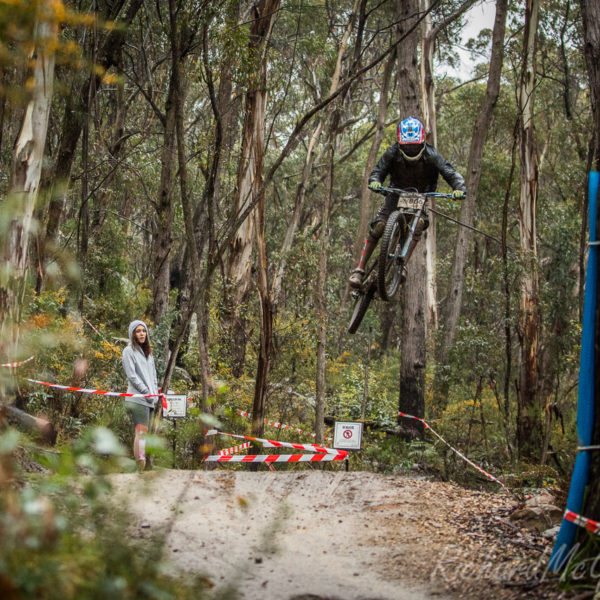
140,371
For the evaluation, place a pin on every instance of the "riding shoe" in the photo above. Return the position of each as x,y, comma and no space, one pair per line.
356,279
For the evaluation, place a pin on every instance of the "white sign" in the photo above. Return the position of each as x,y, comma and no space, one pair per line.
176,406
347,436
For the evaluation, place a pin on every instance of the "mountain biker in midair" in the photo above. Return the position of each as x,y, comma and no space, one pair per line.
412,164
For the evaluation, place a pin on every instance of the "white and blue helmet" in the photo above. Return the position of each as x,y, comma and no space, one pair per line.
411,131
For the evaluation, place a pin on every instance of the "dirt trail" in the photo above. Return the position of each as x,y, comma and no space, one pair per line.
328,535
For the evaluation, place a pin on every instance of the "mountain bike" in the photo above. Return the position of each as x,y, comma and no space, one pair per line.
385,272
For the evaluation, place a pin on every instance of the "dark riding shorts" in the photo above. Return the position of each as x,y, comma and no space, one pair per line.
140,415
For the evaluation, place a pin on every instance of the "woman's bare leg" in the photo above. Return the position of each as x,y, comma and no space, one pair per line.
139,445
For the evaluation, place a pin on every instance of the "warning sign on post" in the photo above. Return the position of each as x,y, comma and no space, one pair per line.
176,406
347,436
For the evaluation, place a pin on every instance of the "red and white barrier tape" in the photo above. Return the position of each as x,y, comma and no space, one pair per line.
235,449
276,443
69,388
277,425
278,458
94,328
593,526
320,453
488,475
17,364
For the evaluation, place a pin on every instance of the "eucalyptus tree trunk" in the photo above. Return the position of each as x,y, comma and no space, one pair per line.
430,123
413,324
428,41
473,176
162,227
250,189
325,233
591,35
75,114
590,11
529,412
249,183
182,31
321,291
202,252
25,179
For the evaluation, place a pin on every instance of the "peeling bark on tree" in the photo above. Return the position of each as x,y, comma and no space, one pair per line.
430,122
250,189
529,410
25,179
249,192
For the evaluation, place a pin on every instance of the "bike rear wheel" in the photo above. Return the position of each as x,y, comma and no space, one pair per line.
360,308
390,265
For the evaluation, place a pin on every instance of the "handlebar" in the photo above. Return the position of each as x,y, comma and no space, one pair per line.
400,192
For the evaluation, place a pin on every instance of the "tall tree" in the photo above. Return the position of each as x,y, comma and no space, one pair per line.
75,115
414,323
26,171
590,12
528,409
250,189
249,177
473,177
429,37
162,229
325,233
591,31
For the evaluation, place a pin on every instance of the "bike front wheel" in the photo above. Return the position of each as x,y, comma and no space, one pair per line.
390,264
360,308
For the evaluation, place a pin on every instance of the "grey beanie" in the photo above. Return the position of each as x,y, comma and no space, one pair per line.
132,327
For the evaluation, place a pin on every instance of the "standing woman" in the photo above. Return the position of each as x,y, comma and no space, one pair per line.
140,370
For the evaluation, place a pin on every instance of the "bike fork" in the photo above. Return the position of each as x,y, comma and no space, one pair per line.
416,230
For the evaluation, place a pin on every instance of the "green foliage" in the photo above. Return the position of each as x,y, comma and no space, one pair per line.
465,397
62,535
385,453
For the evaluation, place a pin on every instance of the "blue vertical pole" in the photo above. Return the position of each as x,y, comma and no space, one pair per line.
585,404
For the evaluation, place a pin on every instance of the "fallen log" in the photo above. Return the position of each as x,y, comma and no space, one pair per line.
38,425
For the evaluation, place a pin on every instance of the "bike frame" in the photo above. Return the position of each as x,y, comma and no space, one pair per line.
413,206
416,212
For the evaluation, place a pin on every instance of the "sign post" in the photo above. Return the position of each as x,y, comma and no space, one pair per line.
347,436
176,409
176,406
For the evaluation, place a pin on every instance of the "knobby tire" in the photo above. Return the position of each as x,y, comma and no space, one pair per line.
390,270
360,308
